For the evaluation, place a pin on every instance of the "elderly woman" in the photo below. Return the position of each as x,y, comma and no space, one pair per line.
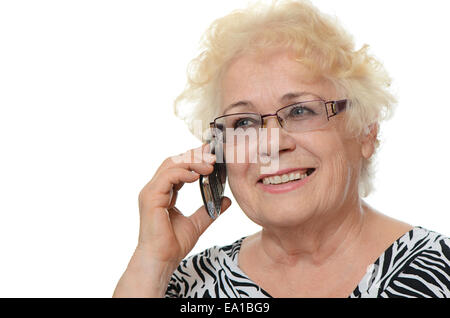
285,65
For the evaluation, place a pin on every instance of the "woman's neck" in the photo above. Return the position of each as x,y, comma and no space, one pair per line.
315,241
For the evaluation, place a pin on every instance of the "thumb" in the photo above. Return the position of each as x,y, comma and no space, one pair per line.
202,220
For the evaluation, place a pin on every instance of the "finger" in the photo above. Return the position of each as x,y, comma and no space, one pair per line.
175,210
200,169
159,191
173,198
175,178
194,159
202,220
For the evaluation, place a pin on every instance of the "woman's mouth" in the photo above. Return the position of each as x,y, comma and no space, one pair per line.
286,182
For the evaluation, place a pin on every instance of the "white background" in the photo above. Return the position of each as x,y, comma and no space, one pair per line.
86,93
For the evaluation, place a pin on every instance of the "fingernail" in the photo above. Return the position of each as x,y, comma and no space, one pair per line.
209,157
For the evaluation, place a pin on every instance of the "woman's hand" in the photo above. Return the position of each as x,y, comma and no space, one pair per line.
166,236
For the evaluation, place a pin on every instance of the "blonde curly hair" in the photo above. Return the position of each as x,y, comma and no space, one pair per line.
320,44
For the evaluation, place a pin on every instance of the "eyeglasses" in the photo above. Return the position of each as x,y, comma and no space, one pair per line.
298,117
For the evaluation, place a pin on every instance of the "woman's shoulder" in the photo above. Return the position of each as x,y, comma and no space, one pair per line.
421,241
415,265
198,274
215,254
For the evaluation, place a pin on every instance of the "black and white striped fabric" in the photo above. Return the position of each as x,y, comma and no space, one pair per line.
416,265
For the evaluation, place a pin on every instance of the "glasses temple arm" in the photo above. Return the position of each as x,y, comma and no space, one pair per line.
336,107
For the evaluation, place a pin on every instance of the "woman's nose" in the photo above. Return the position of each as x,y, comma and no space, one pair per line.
270,121
273,138
269,136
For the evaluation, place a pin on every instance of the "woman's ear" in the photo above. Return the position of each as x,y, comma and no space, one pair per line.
369,140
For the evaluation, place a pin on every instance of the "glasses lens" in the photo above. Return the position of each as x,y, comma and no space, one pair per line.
238,124
303,116
243,121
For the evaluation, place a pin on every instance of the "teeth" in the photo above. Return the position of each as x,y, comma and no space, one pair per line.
284,178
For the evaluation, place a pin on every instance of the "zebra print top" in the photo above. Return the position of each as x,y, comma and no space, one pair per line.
415,265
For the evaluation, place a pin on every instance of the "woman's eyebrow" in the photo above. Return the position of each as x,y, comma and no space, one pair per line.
240,103
285,98
291,96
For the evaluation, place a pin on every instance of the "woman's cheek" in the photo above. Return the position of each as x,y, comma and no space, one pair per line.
241,186
236,174
339,178
243,152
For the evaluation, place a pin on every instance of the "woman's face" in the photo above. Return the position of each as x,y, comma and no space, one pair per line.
262,81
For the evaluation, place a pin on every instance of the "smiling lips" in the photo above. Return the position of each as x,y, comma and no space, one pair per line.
285,180
286,175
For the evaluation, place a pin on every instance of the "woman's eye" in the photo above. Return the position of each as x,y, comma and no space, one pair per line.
300,111
243,123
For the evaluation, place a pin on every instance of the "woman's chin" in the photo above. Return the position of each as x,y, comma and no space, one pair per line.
281,216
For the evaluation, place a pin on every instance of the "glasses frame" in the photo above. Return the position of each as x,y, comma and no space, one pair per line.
336,107
212,187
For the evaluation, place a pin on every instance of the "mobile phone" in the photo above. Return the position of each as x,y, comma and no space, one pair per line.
212,186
